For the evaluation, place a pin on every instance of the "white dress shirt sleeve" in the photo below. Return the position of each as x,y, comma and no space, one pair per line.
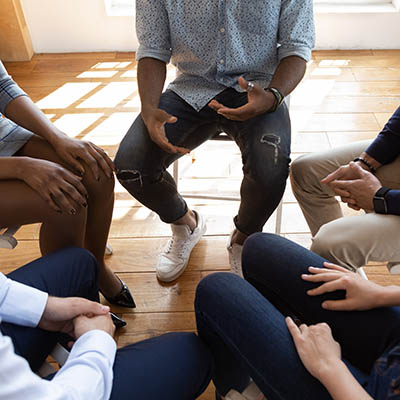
20,304
87,374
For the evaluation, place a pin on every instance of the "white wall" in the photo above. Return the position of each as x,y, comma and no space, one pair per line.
357,30
59,26
82,25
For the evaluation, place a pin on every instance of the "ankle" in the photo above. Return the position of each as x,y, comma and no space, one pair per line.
189,219
238,237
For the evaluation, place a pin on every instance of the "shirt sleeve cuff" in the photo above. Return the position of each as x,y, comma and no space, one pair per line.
23,305
158,54
393,202
302,52
95,340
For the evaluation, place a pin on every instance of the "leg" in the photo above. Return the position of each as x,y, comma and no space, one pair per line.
274,266
169,367
249,338
69,272
354,241
265,145
316,200
95,227
141,165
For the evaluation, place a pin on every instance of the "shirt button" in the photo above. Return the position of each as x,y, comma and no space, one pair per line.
222,30
221,61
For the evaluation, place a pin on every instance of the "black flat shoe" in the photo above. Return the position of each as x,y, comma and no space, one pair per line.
118,322
123,298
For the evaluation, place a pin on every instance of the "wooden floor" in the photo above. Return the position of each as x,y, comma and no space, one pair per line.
346,96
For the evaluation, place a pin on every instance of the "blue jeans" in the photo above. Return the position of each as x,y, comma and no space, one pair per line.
173,366
243,323
264,142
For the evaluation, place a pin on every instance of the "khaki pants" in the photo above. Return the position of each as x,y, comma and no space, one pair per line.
348,241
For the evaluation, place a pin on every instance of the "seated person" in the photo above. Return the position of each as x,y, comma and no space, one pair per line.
371,182
346,341
236,62
64,183
59,293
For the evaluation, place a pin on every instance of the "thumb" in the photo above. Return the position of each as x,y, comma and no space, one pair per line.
243,83
168,118
88,307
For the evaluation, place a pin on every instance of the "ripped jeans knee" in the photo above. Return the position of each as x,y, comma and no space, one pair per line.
129,176
272,140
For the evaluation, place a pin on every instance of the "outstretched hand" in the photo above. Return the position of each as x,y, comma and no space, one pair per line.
361,294
259,102
155,120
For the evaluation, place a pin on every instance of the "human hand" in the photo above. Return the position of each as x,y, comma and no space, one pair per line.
59,313
259,102
361,294
155,120
83,324
60,188
316,347
358,192
354,185
74,152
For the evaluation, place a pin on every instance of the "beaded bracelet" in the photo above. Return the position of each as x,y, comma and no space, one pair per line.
365,162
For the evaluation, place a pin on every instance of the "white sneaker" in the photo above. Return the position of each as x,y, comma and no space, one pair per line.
175,256
252,392
235,257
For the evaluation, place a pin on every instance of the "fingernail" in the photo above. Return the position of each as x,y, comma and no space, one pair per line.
105,308
87,196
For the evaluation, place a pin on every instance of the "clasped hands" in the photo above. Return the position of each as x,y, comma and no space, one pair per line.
354,185
75,316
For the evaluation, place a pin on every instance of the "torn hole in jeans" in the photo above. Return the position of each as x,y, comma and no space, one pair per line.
127,175
274,141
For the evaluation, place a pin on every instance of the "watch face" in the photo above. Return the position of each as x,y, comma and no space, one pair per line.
380,205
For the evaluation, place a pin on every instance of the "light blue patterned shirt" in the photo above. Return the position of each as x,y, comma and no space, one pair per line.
213,42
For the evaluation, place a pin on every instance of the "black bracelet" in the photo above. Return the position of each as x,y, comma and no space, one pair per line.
365,162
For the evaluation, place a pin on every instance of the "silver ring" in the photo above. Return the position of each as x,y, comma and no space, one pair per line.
250,86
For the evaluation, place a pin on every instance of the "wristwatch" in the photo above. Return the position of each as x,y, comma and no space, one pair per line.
380,205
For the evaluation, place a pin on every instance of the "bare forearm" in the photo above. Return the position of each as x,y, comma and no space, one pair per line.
26,114
342,385
389,297
288,74
151,79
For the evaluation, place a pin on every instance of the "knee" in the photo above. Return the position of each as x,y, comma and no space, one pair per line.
299,169
334,245
213,289
99,189
258,250
80,261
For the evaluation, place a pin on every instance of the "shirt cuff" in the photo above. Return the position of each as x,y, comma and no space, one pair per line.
98,341
392,198
23,305
302,52
158,54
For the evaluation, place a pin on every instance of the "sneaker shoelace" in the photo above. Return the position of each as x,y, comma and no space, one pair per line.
177,246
